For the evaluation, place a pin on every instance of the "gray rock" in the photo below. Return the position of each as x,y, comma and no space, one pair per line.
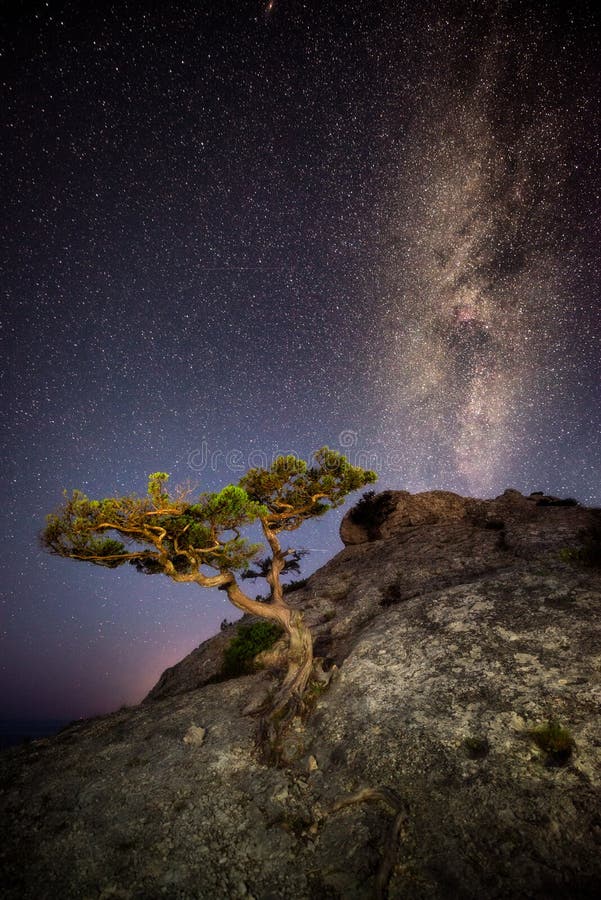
195,735
457,631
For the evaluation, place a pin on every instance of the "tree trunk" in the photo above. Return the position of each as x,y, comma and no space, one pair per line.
300,644
300,666
288,703
279,712
288,699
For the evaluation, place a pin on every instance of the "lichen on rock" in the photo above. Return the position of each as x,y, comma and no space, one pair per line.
459,633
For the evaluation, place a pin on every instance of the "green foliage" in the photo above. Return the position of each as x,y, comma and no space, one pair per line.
106,549
315,690
166,533
251,639
228,509
185,535
156,488
294,492
76,530
372,511
555,740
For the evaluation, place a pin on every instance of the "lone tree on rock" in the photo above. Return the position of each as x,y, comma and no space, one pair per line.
201,541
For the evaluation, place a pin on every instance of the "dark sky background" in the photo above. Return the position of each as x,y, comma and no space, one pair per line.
229,232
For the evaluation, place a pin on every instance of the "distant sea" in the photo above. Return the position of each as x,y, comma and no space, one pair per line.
19,731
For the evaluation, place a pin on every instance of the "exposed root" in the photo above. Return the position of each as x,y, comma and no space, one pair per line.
291,703
272,730
319,675
397,830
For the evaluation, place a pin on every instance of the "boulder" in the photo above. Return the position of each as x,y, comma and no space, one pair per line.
386,513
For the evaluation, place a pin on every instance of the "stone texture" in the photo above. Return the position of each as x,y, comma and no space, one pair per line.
455,635
195,735
406,510
196,669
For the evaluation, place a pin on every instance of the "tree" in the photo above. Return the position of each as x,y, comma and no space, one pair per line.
170,534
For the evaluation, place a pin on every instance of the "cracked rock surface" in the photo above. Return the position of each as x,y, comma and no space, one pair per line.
458,627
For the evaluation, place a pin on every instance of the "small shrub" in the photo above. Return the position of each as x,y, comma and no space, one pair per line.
250,640
494,524
569,554
476,747
136,761
589,553
555,740
180,804
372,510
555,501
392,593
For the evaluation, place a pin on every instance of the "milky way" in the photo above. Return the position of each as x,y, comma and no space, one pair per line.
260,227
481,257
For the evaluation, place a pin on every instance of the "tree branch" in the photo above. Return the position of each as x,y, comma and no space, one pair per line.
141,555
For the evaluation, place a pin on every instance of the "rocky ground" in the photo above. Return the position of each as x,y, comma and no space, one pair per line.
458,629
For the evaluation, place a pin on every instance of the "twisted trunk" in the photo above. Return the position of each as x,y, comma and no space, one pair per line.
300,644
300,666
288,700
287,703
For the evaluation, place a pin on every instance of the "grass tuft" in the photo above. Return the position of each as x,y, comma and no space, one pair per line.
555,740
250,640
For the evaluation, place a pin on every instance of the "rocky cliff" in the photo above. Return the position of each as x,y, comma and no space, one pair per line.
464,640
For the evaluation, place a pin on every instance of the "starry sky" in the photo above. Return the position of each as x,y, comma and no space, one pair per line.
237,229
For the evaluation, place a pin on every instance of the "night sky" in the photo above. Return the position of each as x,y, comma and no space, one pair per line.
231,230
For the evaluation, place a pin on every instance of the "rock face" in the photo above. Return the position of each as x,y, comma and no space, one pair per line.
390,511
196,669
461,629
